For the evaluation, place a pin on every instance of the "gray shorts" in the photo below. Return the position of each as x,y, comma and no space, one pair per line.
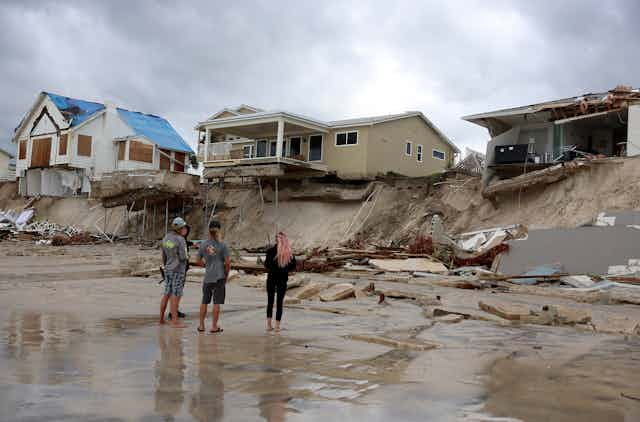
215,291
173,284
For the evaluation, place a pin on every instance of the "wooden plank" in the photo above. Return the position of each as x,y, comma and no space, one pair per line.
139,151
23,150
84,145
165,162
122,149
62,148
179,163
40,152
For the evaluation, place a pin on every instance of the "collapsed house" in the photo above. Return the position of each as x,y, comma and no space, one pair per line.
65,144
542,137
249,142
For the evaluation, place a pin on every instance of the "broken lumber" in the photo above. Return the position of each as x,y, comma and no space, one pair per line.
409,265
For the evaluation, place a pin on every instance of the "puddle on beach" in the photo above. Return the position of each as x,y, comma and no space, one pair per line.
54,366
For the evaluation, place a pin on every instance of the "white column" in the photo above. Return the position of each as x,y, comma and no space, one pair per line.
280,138
126,150
207,139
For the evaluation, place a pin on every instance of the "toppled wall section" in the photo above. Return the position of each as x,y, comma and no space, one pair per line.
126,187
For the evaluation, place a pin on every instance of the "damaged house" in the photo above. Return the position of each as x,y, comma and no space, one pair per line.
64,144
543,142
248,142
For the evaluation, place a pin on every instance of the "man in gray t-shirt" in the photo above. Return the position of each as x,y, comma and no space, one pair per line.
215,257
174,258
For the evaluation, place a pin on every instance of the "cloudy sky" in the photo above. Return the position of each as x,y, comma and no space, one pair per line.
330,59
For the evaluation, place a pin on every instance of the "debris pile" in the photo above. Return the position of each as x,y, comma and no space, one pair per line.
19,225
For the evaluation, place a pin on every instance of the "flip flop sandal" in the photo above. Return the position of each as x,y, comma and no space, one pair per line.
200,330
219,330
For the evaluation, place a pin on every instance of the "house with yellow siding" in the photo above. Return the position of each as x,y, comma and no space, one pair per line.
245,141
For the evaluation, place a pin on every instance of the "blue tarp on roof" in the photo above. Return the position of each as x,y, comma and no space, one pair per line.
155,129
76,110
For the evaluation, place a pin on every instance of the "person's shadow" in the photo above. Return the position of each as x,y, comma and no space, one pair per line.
207,404
169,394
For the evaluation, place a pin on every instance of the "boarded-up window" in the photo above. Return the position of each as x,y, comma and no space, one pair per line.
40,152
139,151
84,146
122,148
178,165
165,161
62,148
23,150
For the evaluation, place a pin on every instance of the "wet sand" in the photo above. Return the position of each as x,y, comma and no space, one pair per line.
84,344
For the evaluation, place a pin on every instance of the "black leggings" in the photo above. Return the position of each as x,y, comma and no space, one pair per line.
275,288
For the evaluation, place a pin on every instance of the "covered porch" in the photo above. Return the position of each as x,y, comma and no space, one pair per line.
263,144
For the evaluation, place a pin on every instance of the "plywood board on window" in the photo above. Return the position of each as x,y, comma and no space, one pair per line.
84,146
139,151
178,165
122,148
23,150
62,148
165,161
40,152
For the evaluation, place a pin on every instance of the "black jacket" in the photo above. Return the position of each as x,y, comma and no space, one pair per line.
275,272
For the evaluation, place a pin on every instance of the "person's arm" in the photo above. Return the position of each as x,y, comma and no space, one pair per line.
269,259
292,265
227,267
164,256
182,250
200,261
227,261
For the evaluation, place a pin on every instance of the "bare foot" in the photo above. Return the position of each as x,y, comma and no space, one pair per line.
277,328
161,322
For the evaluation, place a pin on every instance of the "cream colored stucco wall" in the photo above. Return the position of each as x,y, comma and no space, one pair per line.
348,161
386,149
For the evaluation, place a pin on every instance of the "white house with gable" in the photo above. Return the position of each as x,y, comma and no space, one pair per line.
63,143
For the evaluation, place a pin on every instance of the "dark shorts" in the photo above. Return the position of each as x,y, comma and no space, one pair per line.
215,291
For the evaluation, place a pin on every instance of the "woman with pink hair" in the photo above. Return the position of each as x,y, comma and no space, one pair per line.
280,262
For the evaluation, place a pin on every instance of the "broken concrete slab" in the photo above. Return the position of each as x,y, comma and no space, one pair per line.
396,344
620,325
403,294
583,250
310,290
510,311
410,265
563,315
338,292
450,318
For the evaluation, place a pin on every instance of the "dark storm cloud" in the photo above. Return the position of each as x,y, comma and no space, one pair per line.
186,60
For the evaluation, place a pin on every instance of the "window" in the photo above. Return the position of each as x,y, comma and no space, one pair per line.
272,149
419,153
180,161
261,149
347,138
294,147
62,147
438,155
84,146
315,148
165,159
40,152
122,147
247,151
407,148
23,150
139,151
